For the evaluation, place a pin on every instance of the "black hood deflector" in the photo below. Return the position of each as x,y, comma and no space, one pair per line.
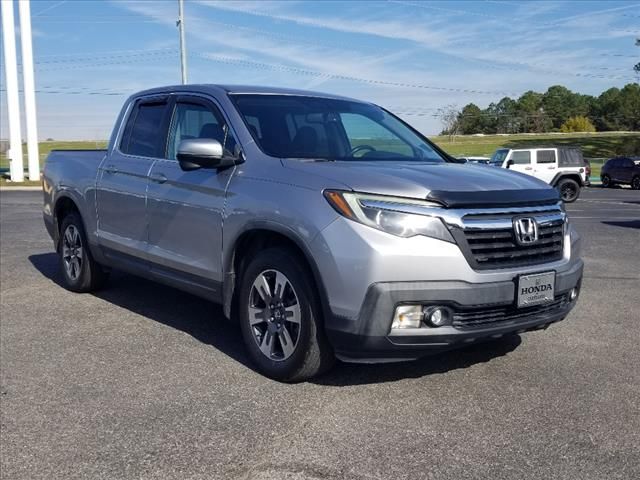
495,198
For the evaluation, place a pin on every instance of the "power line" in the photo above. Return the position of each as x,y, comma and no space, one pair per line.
314,73
51,7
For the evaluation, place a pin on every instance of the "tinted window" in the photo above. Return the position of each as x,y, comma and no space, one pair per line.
290,126
546,156
143,133
627,163
571,157
521,158
613,163
193,120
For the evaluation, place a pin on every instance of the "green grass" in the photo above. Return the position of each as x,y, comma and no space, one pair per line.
5,182
594,145
46,147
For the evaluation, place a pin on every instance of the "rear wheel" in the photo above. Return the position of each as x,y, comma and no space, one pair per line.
569,190
635,182
280,318
606,181
80,272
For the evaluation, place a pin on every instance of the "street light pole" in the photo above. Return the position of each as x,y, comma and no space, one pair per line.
183,47
29,90
13,100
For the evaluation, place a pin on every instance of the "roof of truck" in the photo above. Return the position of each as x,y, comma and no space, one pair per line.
240,89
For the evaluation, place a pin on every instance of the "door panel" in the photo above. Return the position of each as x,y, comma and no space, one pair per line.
522,161
185,208
626,170
185,219
123,177
546,164
121,201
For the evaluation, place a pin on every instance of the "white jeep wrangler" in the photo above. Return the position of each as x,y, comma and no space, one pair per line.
561,167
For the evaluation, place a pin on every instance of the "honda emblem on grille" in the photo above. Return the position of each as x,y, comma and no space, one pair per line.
526,230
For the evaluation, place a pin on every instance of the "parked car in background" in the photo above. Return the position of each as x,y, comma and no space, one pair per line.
479,160
327,227
621,171
561,167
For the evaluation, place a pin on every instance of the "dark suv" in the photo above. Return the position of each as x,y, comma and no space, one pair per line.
621,170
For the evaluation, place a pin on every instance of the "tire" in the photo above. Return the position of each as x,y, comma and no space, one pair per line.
569,190
635,182
80,272
606,181
282,327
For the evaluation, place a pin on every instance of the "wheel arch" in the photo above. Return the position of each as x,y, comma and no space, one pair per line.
259,235
562,176
63,205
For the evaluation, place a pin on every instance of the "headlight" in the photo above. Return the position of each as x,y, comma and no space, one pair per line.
386,214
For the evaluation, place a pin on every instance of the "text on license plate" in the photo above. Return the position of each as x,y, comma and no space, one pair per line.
535,289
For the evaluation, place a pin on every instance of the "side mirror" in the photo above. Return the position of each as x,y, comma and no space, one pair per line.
197,153
509,163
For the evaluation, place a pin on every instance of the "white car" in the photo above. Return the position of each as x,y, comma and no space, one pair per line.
561,167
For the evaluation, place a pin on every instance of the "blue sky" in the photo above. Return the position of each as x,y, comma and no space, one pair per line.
410,56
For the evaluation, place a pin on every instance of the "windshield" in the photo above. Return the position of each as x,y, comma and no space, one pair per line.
290,126
498,157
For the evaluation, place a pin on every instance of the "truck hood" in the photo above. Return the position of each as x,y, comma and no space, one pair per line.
452,184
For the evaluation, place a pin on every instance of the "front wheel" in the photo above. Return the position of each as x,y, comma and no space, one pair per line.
80,272
280,318
569,190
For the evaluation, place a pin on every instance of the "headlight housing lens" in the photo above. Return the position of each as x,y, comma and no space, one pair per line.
389,214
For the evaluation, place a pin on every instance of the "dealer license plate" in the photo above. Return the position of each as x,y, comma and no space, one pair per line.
536,289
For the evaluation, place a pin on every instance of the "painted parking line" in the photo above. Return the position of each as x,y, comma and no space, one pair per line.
611,202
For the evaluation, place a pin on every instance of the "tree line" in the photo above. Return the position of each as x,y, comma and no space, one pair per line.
558,109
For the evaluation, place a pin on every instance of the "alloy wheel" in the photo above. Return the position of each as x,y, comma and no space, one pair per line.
568,192
274,315
72,252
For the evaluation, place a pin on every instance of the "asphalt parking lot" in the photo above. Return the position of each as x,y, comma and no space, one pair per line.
142,381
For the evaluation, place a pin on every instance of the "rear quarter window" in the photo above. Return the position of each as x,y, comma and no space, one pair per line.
546,156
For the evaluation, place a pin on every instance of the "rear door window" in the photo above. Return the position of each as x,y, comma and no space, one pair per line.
546,156
144,133
521,157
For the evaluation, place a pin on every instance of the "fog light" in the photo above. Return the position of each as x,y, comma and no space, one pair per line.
574,294
408,316
437,316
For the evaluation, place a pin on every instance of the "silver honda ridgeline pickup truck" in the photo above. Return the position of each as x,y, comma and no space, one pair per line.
326,226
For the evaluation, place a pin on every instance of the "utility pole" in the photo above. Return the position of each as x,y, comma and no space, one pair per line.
13,100
183,47
29,89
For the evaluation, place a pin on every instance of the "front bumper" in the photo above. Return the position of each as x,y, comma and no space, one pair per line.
368,337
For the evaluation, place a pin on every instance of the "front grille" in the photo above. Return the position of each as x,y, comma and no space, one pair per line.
497,248
492,315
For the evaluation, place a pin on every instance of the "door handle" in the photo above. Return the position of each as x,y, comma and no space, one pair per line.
528,168
158,178
111,169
